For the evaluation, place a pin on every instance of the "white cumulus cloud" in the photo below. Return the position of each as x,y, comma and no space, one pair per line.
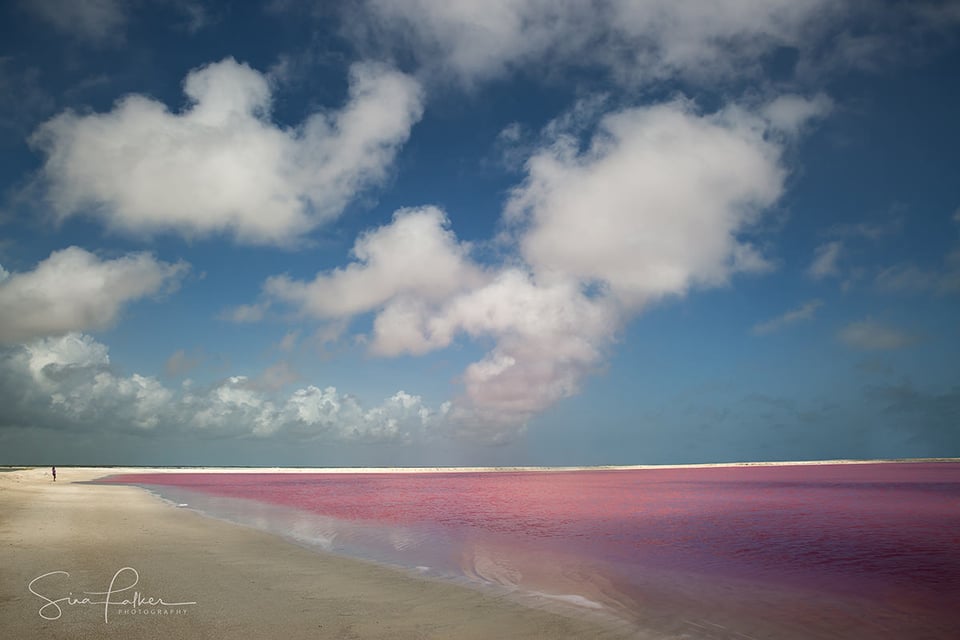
73,350
221,165
548,335
656,204
74,290
67,382
417,255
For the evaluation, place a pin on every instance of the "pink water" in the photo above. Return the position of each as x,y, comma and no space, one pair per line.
806,551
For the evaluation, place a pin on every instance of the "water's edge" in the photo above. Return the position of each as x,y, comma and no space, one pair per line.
368,544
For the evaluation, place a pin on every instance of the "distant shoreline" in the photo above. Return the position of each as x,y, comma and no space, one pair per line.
441,469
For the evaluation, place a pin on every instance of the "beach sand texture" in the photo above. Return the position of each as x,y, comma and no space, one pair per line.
246,584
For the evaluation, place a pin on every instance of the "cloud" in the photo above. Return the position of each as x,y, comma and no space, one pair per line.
104,23
221,165
801,313
906,278
868,230
634,41
48,356
415,256
245,313
825,260
64,381
98,22
67,383
313,410
275,377
910,278
869,335
308,413
547,337
791,113
900,278
74,290
645,42
289,341
195,15
655,205
180,362
547,334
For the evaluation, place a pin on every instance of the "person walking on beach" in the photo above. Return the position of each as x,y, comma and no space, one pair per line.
53,470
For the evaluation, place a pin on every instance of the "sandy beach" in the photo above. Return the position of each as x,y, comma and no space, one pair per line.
189,576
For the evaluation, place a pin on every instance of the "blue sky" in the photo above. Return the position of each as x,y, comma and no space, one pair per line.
481,233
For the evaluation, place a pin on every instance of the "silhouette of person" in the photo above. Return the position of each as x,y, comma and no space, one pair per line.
54,471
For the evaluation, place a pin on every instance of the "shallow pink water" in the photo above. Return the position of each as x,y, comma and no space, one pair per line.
812,550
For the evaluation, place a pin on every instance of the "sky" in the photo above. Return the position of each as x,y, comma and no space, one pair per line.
454,232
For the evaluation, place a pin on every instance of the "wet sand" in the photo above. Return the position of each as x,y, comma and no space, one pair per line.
244,583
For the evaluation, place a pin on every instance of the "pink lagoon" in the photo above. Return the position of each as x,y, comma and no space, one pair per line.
755,551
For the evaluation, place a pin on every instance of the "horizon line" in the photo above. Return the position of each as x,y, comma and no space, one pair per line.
453,469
